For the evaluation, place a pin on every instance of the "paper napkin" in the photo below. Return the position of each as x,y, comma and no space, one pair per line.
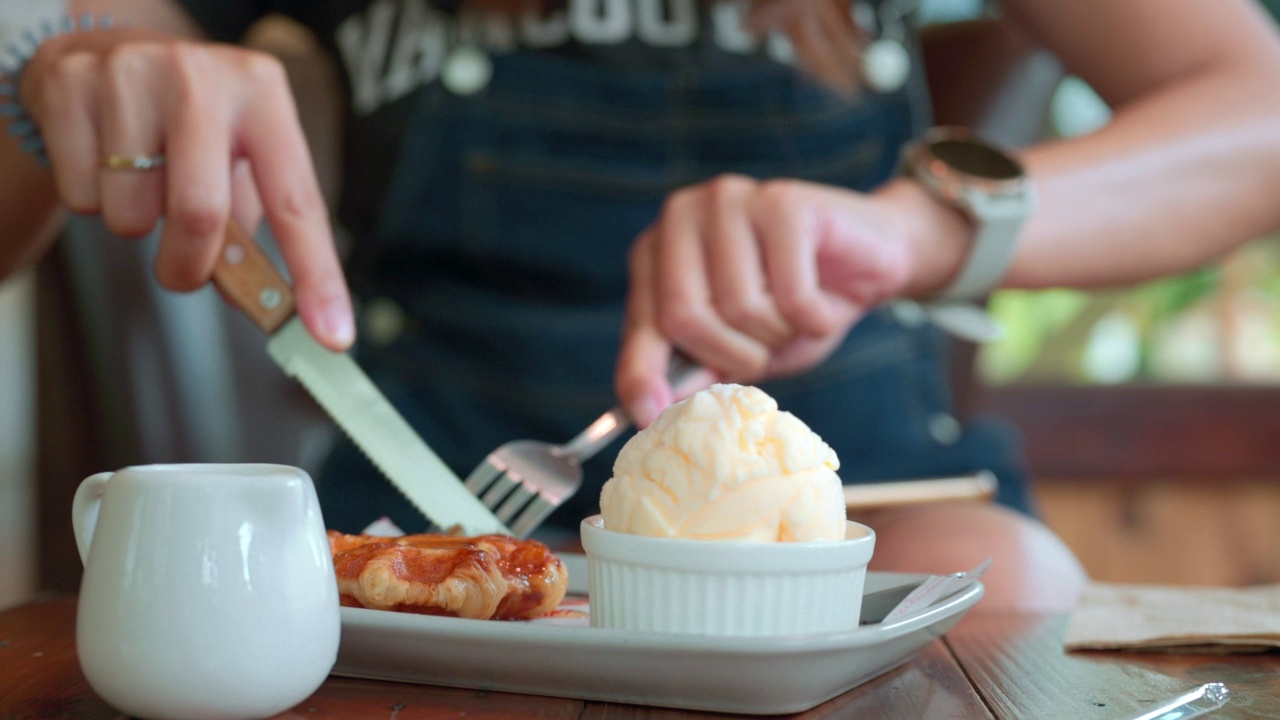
1113,616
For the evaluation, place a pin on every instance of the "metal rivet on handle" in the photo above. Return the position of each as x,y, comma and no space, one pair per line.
269,298
233,254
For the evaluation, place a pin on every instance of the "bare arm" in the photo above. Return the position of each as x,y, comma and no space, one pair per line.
1186,169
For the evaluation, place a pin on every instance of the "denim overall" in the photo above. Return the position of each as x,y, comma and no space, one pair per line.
502,245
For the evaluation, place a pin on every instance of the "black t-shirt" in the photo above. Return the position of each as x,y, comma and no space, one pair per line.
389,49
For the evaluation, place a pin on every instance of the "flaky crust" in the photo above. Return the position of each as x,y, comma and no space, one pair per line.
486,576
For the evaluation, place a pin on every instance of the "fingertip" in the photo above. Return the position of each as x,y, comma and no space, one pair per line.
644,395
640,380
646,408
331,322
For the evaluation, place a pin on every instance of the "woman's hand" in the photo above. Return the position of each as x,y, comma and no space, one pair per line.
760,279
224,119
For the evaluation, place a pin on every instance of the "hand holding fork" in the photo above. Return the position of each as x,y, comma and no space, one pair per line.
524,480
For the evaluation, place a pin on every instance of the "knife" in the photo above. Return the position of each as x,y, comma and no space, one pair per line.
250,281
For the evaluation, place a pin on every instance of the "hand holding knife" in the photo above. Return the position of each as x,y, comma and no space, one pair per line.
251,282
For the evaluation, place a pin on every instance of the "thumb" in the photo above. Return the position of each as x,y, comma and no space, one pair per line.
641,377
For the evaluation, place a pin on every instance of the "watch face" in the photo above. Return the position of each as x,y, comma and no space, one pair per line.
976,159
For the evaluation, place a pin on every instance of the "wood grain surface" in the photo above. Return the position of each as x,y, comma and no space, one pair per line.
1017,664
39,674
40,678
991,665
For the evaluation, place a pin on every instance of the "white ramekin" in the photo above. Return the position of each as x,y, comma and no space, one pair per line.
725,588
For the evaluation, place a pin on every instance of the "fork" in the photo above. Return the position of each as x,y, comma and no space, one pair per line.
524,480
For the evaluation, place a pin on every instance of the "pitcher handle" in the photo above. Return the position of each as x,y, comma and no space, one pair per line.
84,511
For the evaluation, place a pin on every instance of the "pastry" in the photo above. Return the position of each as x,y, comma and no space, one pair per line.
486,576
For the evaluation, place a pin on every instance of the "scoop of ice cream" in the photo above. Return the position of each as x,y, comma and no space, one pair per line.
726,464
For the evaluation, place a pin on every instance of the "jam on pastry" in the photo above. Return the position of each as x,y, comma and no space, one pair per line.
485,576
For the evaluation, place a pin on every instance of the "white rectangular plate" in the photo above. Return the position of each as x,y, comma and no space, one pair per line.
566,658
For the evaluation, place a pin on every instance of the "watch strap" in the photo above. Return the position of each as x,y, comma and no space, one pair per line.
991,252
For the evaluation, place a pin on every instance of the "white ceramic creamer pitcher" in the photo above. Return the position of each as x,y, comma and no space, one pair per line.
208,590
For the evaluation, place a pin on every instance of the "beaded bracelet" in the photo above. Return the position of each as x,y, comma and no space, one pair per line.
21,125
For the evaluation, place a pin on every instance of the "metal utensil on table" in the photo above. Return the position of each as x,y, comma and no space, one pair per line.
1198,701
249,280
524,480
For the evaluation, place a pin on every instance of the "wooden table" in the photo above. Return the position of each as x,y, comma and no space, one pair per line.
991,665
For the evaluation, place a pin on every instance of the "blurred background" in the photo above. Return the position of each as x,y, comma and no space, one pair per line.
1150,415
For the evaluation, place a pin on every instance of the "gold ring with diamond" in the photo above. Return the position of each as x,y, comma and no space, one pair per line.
133,162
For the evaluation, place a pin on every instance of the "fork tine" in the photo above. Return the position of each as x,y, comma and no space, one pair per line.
481,477
499,490
531,516
516,500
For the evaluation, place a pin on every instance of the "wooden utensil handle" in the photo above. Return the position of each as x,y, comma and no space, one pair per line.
251,281
978,486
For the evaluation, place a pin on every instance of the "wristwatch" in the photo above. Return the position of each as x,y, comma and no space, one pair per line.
985,183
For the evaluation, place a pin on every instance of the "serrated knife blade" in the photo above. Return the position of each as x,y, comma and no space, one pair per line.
368,418
249,280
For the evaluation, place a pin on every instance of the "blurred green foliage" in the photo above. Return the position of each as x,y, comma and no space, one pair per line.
1049,332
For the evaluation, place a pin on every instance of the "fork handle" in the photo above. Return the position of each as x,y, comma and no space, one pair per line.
616,421
597,435
680,368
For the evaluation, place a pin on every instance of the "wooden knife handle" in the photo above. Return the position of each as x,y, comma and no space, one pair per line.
248,278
